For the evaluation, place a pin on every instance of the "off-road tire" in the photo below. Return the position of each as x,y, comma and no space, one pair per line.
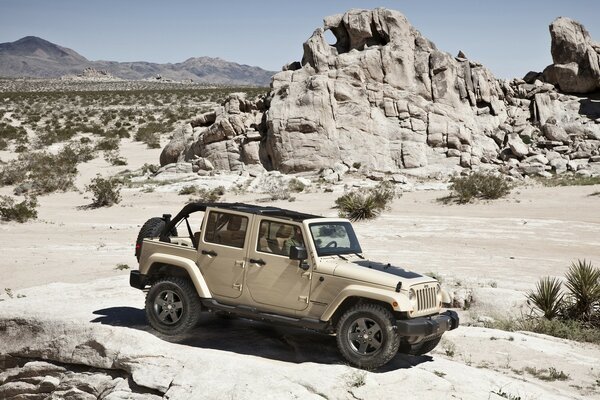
151,228
424,347
381,341
186,306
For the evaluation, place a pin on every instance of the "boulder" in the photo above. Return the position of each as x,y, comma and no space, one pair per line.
555,133
576,65
517,146
175,149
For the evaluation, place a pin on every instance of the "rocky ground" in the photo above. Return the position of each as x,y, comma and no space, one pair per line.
73,327
54,332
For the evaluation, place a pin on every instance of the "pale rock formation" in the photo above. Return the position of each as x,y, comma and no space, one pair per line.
381,96
385,97
576,67
175,149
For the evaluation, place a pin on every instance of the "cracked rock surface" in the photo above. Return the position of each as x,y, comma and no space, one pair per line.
102,349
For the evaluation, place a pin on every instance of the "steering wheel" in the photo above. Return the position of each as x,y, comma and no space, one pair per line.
333,243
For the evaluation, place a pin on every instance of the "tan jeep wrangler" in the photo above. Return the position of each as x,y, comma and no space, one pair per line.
282,266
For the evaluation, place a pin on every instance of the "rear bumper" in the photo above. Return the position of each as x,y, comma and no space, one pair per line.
137,280
426,326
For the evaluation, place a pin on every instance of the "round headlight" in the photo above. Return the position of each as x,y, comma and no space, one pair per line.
412,297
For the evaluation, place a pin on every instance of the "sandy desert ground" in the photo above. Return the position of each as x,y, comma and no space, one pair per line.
61,273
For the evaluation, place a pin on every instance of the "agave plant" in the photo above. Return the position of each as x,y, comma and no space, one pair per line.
547,297
583,281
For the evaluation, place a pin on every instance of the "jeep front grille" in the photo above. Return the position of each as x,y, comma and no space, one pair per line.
427,298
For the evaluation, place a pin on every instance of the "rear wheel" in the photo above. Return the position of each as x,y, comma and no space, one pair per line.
173,306
367,336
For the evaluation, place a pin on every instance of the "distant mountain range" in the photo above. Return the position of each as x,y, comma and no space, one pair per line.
39,58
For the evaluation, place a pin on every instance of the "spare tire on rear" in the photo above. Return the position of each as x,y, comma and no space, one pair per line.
151,229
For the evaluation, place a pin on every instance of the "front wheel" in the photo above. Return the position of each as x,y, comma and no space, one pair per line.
173,306
367,336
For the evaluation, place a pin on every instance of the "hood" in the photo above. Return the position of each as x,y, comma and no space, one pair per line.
377,273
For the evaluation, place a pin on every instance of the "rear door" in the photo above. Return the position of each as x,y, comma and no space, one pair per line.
272,278
221,255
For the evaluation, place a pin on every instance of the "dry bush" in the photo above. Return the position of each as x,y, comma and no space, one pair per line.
206,195
150,134
479,185
106,191
21,212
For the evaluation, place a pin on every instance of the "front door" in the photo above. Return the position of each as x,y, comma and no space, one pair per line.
221,255
272,278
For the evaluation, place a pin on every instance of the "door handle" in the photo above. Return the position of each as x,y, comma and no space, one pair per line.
211,253
260,261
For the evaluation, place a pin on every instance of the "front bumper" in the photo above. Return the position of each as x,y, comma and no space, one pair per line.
426,326
137,280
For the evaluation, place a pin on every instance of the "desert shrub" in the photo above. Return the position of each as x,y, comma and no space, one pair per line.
21,212
9,132
212,195
113,157
570,180
12,173
106,191
296,185
383,194
92,128
363,204
187,190
583,282
55,135
150,134
122,133
42,171
150,168
78,151
547,297
565,329
108,144
50,173
479,185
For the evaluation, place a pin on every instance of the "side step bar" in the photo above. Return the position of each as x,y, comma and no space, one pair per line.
252,313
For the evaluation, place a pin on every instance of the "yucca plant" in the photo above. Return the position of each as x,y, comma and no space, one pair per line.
547,297
357,206
583,281
365,203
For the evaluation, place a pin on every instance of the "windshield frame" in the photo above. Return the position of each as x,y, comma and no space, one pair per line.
354,243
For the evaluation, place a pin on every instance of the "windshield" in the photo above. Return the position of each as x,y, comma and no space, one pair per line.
332,238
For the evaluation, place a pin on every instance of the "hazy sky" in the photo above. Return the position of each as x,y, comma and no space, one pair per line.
508,36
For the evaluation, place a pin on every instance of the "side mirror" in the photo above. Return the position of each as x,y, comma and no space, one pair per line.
298,253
